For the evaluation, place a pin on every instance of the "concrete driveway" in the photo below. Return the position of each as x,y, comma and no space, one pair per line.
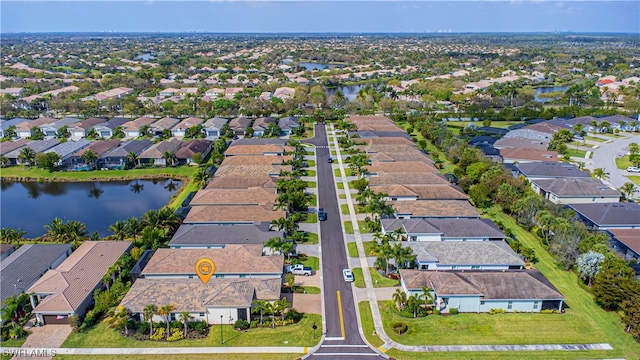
48,336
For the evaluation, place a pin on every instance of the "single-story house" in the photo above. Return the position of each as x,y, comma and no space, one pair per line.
118,157
240,125
256,150
287,125
252,170
180,129
189,148
255,160
420,192
607,216
133,127
155,154
400,166
6,250
260,125
481,291
233,214
163,124
524,155
68,148
8,146
27,264
467,255
99,147
406,178
242,182
219,236
415,155
68,289
444,229
37,146
213,127
106,129
50,130
23,129
575,191
550,170
6,124
251,196
81,129
449,209
627,242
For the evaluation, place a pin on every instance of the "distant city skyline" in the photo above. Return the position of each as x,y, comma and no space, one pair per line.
221,16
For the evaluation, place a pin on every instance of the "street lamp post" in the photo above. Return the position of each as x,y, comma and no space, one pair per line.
221,339
314,326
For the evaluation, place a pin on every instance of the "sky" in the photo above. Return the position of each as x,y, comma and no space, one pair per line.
238,16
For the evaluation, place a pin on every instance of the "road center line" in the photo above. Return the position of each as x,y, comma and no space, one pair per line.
340,312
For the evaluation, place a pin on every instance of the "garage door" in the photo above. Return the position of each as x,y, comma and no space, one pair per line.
56,319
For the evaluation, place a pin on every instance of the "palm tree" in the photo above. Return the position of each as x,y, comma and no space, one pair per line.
119,319
600,173
11,235
137,187
118,230
269,310
185,316
149,311
55,230
427,295
132,159
259,307
169,156
399,298
275,244
165,311
133,227
90,157
27,155
280,306
413,302
402,255
628,189
201,177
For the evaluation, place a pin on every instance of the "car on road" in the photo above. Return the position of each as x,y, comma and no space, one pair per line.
633,169
322,216
348,275
330,160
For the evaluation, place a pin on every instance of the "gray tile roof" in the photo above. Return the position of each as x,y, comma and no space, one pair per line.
8,146
215,122
465,252
288,122
551,170
37,146
69,147
26,265
259,141
449,228
206,235
577,187
610,214
136,146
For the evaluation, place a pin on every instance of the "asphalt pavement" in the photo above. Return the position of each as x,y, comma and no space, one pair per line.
605,157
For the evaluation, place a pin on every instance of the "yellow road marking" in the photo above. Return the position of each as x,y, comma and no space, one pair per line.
381,348
306,350
340,312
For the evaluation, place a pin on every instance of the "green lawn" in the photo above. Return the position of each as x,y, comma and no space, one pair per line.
379,281
635,179
334,153
300,334
313,201
579,143
353,249
185,357
311,184
610,135
623,162
310,289
12,343
344,209
576,153
589,322
310,218
367,324
348,227
342,196
593,138
347,172
311,238
179,197
108,175
312,262
310,163
368,247
310,173
340,185
363,226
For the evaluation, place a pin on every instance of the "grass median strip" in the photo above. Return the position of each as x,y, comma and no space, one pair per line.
367,324
379,281
348,227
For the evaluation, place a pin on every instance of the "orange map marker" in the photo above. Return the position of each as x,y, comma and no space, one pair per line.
204,269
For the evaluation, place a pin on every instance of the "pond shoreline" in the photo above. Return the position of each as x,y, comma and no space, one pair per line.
40,179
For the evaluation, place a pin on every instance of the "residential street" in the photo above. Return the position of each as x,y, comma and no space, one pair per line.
605,157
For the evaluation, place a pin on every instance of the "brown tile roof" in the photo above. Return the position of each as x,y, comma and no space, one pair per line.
544,127
393,148
100,147
378,127
442,282
435,208
86,124
190,147
402,166
255,160
76,277
188,122
386,141
7,146
252,170
629,237
232,259
359,119
156,151
529,154
233,214
165,123
423,192
137,123
27,125
257,149
194,296
520,143
405,178
251,196
417,155
242,182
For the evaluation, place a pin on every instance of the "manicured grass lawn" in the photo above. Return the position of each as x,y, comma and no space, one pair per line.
342,196
311,184
635,179
12,343
185,357
579,143
586,320
378,280
363,226
368,247
344,209
340,185
312,262
179,197
623,162
313,201
576,153
502,355
310,162
610,135
300,334
353,249
310,173
35,173
334,153
367,324
311,238
348,227
310,218
593,138
310,289
347,172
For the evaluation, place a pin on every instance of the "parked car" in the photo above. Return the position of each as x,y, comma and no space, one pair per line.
330,160
299,269
348,275
633,169
322,216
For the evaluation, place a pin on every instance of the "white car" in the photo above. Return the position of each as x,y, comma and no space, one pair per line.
348,275
633,169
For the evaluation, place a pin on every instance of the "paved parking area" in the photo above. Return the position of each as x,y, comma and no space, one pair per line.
48,336
306,303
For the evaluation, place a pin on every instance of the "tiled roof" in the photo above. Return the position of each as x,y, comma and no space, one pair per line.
422,192
138,123
610,214
232,259
233,214
551,170
100,147
137,146
259,141
255,195
240,123
165,123
67,148
400,156
88,123
73,280
241,182
264,122
629,237
204,235
156,151
37,146
386,141
435,208
190,147
187,123
8,146
465,252
393,148
252,170
23,267
257,149
27,125
215,122
194,296
576,187
529,154
255,160
404,178
402,166
449,228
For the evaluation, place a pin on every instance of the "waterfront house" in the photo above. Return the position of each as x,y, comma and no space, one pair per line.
99,147
180,129
251,196
118,158
481,291
68,148
242,182
213,127
185,153
37,146
155,154
26,265
68,289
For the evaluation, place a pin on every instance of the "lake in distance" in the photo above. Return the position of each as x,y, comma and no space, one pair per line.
31,205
